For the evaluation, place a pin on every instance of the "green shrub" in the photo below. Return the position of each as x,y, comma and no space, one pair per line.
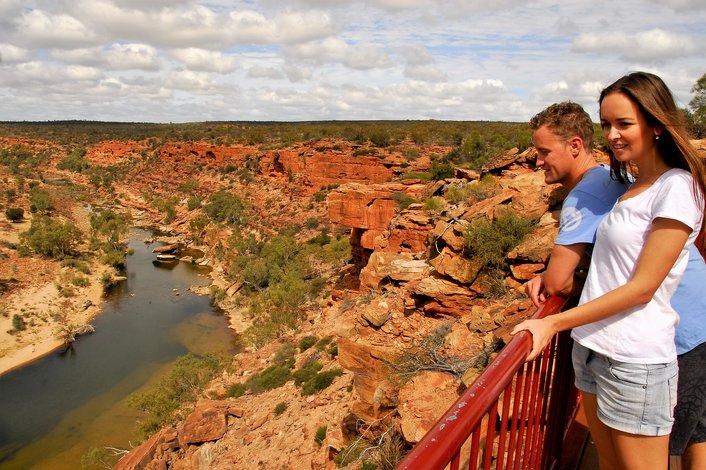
411,153
189,186
472,192
270,378
285,355
78,265
491,241
311,223
168,206
338,251
107,279
320,435
188,376
307,373
280,408
80,281
113,258
320,381
223,206
403,200
193,202
74,161
321,239
65,291
322,343
236,390
434,204
40,200
307,342
440,171
18,323
416,175
14,214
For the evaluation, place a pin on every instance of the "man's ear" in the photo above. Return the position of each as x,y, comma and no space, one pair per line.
575,145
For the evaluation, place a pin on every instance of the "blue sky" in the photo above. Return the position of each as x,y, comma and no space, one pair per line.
187,60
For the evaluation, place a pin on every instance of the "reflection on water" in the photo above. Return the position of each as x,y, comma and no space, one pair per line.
54,410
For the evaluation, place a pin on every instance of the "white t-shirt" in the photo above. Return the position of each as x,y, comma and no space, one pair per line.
643,334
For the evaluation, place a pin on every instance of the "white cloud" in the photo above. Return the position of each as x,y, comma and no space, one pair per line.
47,74
10,54
203,60
132,56
655,45
265,72
683,5
114,57
80,56
336,50
41,29
296,74
189,60
198,82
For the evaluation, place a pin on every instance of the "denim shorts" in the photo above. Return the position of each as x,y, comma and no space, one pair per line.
633,398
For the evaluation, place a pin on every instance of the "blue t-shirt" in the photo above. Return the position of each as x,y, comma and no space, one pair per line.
582,212
587,204
690,303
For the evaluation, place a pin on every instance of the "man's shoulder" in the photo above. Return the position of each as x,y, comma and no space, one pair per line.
599,183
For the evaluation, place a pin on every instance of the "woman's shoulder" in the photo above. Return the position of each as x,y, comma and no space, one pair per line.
676,176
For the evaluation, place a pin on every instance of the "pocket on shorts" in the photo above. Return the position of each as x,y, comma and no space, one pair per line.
633,374
672,382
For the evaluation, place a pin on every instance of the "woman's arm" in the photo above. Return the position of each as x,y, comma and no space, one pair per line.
661,250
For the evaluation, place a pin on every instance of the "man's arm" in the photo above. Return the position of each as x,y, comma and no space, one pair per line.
558,279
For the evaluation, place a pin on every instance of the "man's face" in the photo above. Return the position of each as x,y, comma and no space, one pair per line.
553,156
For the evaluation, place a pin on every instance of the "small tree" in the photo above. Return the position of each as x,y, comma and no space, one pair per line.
698,106
14,214
40,200
49,237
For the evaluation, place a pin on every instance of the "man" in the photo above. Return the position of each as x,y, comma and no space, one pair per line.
563,138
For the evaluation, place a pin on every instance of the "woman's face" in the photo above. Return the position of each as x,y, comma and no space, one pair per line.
625,128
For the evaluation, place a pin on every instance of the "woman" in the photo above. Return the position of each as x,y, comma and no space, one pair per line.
624,354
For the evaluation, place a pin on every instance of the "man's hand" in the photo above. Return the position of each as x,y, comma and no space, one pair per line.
535,290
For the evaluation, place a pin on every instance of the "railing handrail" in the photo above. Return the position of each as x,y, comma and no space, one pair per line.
438,447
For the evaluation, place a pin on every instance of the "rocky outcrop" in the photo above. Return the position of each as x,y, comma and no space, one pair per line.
423,400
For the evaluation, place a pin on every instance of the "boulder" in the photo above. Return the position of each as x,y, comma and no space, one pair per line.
537,245
456,266
525,272
423,400
208,422
392,265
444,297
141,456
368,363
450,232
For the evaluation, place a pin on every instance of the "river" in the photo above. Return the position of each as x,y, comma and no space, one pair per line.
56,409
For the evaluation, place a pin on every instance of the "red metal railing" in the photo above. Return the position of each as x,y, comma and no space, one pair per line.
514,416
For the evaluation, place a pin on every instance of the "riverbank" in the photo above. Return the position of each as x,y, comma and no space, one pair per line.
45,311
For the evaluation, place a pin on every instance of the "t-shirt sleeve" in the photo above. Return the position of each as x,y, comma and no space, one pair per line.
677,201
580,216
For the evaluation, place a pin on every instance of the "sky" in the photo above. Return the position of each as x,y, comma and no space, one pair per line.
302,60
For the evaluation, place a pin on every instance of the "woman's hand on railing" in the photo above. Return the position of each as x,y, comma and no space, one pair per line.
542,332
